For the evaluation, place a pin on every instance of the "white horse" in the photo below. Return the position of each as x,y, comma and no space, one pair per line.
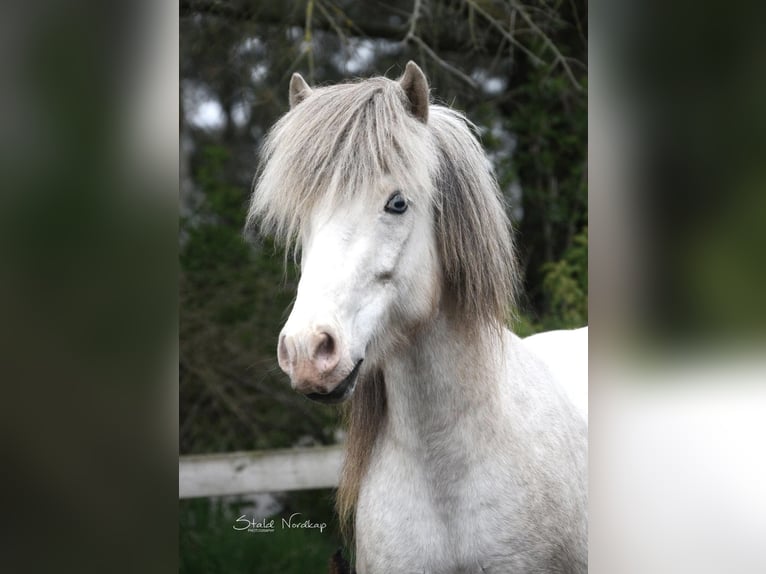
464,455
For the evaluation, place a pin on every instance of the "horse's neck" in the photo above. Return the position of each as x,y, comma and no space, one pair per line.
445,388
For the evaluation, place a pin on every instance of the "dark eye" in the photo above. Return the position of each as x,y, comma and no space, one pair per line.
396,203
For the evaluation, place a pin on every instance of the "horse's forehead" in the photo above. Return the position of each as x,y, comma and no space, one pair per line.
342,210
356,196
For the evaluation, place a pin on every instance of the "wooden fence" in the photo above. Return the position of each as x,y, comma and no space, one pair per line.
259,471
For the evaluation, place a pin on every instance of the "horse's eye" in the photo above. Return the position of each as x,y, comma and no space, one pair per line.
396,203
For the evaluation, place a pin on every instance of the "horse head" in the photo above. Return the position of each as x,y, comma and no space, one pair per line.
396,215
369,267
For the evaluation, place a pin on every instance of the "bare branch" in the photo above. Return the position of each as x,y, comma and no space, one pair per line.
548,41
499,27
522,10
413,23
309,46
578,23
413,37
333,24
446,65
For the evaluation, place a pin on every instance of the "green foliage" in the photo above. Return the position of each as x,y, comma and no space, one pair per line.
210,545
565,283
550,161
233,297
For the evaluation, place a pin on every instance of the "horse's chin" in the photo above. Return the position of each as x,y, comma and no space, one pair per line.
343,390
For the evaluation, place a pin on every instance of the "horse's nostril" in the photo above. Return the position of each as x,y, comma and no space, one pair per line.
326,346
326,356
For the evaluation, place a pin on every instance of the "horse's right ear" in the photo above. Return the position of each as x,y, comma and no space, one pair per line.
299,90
415,86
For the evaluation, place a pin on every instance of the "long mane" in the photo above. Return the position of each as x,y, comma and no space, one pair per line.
473,230
335,145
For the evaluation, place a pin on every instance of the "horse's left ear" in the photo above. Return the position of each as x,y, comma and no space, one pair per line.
299,90
415,86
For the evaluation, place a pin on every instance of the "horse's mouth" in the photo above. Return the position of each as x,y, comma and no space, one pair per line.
341,392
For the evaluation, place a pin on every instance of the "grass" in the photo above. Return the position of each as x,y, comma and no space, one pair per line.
210,545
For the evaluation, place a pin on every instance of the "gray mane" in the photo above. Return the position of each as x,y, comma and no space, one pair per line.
338,143
342,139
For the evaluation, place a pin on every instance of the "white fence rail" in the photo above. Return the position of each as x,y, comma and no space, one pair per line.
259,471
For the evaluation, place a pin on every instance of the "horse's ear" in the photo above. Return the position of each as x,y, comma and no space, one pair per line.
415,86
299,90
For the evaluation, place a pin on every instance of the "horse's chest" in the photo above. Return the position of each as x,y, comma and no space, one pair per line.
409,522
